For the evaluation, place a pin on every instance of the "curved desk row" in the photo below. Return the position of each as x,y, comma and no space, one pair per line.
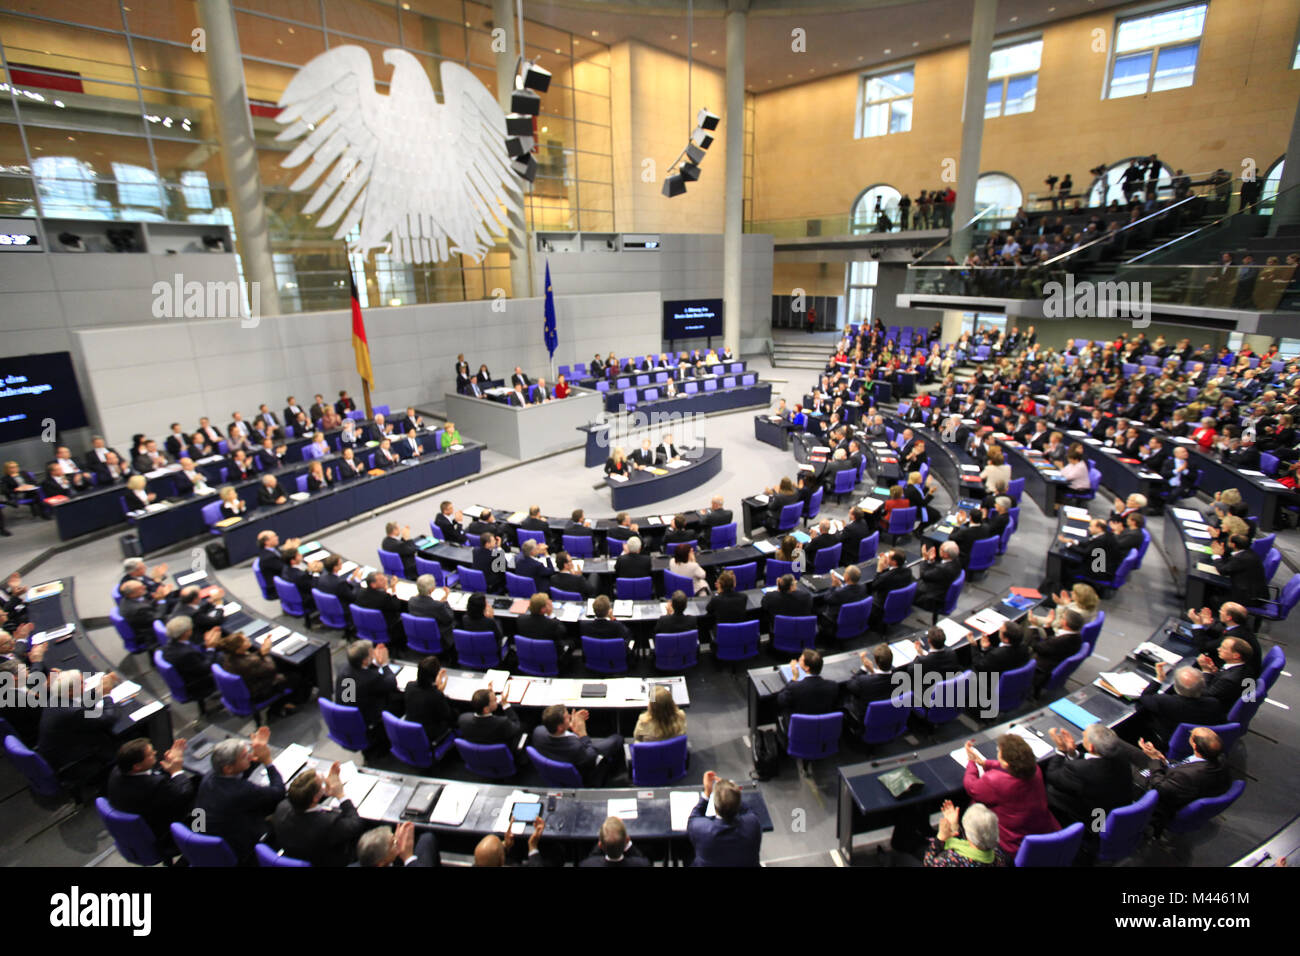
865,804
165,528
573,817
52,606
642,487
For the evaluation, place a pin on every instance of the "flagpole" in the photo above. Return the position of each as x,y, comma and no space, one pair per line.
365,393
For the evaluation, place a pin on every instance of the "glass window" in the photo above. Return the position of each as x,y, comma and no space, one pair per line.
862,277
1152,51
886,104
137,186
1110,188
1288,348
1013,78
1000,191
1234,341
1295,65
973,321
1272,182
866,215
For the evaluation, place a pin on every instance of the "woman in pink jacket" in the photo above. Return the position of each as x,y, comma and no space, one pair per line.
1012,787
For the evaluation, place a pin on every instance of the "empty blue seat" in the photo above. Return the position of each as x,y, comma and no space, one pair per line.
898,604
1051,849
235,697
746,575
423,635
1124,828
477,649
495,761
1014,686
579,545
790,635
554,773
330,609
659,763
886,720
633,589
391,563
410,744
202,850
604,655
520,586
737,641
1199,812
131,835
370,623
676,651
852,618
33,767
811,737
722,536
345,725
538,658
266,856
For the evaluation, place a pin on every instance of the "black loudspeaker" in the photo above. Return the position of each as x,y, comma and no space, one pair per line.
525,101
674,186
537,78
519,125
706,120
689,172
702,139
525,167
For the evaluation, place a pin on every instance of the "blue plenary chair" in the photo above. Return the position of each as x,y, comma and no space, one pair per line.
1051,849
633,589
790,516
423,636
790,635
235,697
868,547
523,534
852,619
370,623
886,720
391,563
1014,687
951,598
291,602
812,737
1015,488
579,545
201,850
814,507
537,658
898,604
267,592
676,651
330,610
1200,812
472,579
131,835
443,579
1062,671
827,558
901,523
678,582
1180,743
659,763
33,767
494,761
614,546
846,479
519,585
746,575
1280,609
477,649
604,655
345,725
737,642
559,594
722,536
554,773
410,744
982,554
778,569
124,630
266,856
175,683
1092,630
1124,828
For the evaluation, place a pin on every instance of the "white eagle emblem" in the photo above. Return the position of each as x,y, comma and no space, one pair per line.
423,180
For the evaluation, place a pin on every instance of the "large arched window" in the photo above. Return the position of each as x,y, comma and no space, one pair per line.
999,191
865,217
1272,183
1110,188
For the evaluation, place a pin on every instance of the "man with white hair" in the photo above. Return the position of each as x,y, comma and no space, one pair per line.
382,847
1160,714
632,563
269,493
715,517
614,848
76,731
233,807
1083,778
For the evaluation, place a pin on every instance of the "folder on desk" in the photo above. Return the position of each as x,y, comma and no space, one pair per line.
184,579
227,522
453,804
1073,713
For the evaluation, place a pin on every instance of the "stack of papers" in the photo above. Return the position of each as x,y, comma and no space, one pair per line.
761,499
184,579
1187,514
1122,683
623,807
291,760
953,631
986,621
1158,652
1081,514
680,805
453,804
1037,744
904,653
379,799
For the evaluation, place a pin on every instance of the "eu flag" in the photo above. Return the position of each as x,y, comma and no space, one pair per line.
549,335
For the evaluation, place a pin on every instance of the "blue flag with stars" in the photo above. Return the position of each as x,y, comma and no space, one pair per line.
549,335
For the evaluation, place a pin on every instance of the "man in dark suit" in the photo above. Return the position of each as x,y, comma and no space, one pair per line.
141,611
535,521
1095,554
1005,653
234,808
940,569
75,738
203,614
159,790
821,540
566,578
632,563
192,662
490,720
269,493
787,600
733,837
715,517
1227,676
644,456
488,558
519,378
674,619
1051,649
382,846
1243,568
856,529
872,682
397,539
679,534
529,563
806,691
368,684
1233,621
604,627
484,521
933,657
330,581
1204,774
968,527
539,625
344,405
304,829
614,848
1083,778
563,737
846,590
891,575
100,450
377,595
1160,714
449,523
291,411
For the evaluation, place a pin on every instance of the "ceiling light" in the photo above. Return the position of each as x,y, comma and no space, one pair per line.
888,51
672,36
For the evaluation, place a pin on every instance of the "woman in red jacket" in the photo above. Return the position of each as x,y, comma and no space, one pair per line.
561,389
896,500
1012,787
1205,434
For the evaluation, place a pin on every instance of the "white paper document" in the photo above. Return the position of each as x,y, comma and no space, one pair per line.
379,799
623,807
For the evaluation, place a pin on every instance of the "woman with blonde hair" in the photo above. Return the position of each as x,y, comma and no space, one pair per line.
661,720
997,469
232,506
1081,597
136,496
617,463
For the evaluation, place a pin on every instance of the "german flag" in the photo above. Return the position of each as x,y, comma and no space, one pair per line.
359,344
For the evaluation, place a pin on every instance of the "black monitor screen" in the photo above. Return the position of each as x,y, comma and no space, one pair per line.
692,318
36,392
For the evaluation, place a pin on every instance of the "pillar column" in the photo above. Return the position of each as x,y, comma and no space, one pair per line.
733,235
1286,211
225,68
503,16
972,127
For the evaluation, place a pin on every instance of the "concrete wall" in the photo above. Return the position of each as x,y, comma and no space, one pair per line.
685,267
808,163
142,378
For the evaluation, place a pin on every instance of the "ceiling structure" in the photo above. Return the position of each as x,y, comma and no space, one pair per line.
841,35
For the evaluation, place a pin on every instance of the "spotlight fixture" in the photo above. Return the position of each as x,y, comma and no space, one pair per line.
517,146
694,153
689,172
521,122
525,101
706,120
686,167
518,124
525,167
701,139
674,186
